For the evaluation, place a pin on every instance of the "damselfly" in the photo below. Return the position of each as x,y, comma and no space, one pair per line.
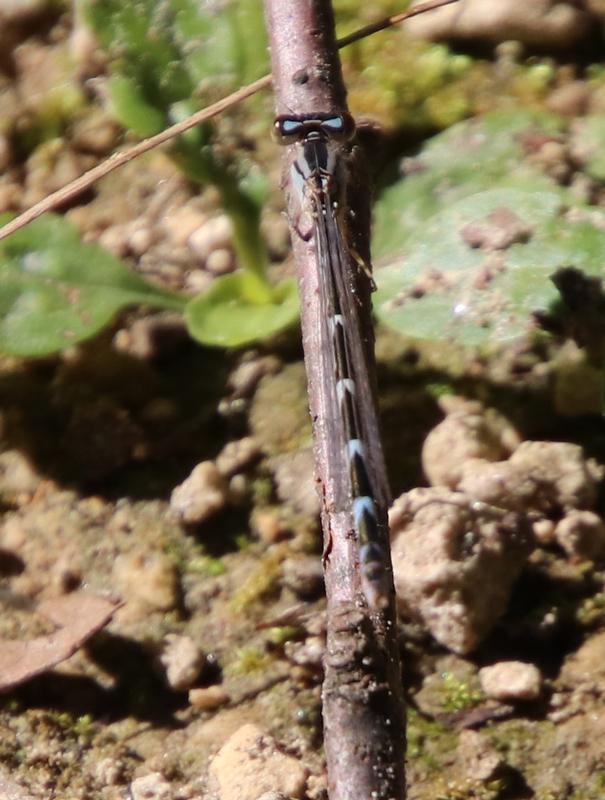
321,177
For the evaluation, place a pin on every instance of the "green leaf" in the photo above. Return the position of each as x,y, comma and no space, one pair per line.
129,106
56,291
467,158
447,277
240,309
443,288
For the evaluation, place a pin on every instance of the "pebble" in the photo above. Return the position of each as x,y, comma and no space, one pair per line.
571,99
201,495
151,337
19,11
304,576
294,482
148,578
182,660
197,281
215,234
467,432
179,223
237,454
208,698
542,23
18,478
151,787
268,525
454,563
309,653
477,756
96,133
582,535
511,680
544,531
220,261
245,377
251,764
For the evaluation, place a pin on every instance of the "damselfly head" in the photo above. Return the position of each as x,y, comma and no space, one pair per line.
289,129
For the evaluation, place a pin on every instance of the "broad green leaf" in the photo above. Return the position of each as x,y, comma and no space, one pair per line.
240,309
56,291
472,237
443,288
467,158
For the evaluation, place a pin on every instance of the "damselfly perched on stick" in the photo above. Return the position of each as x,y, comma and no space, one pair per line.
320,177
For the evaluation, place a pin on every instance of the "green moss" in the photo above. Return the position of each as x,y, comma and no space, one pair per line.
459,695
428,742
592,610
261,583
206,566
247,660
471,790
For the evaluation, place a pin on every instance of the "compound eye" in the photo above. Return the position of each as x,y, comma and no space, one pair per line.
340,127
287,130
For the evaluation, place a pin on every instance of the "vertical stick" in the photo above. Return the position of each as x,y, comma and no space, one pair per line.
363,710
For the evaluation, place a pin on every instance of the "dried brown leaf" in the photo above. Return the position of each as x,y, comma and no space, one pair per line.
78,616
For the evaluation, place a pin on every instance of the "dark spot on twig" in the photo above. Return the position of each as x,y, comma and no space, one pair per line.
300,77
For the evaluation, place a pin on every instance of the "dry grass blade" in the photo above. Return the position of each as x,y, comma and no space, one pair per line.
88,179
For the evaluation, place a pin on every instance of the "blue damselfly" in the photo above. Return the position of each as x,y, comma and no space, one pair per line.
320,177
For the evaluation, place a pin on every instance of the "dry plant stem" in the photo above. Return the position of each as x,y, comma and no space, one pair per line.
364,731
88,179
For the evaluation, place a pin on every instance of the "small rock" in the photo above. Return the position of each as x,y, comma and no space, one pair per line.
268,525
148,578
478,758
250,764
304,576
181,222
571,100
543,23
544,532
542,476
21,11
18,479
215,234
245,377
455,563
208,698
511,680
201,495
294,481
236,455
309,653
183,661
220,261
582,534
95,133
151,787
467,432
140,238
152,337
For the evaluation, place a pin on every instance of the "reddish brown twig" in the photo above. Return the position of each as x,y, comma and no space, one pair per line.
364,730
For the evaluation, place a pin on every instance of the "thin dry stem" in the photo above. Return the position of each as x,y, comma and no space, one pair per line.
88,179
